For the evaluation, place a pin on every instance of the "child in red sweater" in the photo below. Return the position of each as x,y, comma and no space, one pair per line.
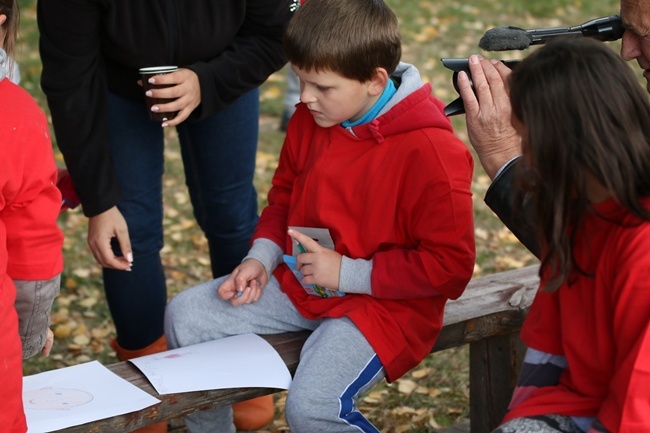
585,127
371,159
30,240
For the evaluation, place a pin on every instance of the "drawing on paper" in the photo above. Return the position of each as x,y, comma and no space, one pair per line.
55,398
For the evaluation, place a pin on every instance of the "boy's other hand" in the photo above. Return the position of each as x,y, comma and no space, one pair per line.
244,285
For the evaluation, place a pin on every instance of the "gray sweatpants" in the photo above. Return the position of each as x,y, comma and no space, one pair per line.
337,365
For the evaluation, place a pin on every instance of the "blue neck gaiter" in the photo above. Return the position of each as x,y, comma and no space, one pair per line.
386,95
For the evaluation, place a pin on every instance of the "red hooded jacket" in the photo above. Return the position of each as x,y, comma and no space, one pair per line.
397,191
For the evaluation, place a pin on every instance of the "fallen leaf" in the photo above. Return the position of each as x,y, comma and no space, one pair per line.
405,386
420,373
81,272
404,410
432,423
71,283
81,340
62,331
100,333
371,400
88,302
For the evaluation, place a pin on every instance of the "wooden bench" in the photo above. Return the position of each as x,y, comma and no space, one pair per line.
487,317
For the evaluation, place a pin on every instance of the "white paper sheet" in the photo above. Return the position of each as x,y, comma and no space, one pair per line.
241,361
75,395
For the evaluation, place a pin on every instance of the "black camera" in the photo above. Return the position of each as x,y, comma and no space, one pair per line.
457,65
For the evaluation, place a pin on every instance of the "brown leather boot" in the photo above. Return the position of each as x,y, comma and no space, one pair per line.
160,345
253,414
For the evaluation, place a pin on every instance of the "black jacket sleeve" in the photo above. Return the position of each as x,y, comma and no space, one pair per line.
518,217
74,82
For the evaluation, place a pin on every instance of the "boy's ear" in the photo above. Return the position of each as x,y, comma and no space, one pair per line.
378,82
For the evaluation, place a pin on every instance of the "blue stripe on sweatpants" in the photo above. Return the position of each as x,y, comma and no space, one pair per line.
348,412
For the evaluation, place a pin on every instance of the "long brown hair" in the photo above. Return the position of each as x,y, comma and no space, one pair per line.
10,9
583,111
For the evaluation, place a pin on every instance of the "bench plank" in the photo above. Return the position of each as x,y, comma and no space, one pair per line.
491,306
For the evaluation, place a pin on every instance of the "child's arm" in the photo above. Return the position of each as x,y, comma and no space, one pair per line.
438,220
31,203
626,406
274,218
34,240
34,304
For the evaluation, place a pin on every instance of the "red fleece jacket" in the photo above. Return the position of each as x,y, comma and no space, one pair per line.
397,193
601,324
30,240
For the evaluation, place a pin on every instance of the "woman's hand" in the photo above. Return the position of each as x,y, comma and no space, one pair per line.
185,90
101,229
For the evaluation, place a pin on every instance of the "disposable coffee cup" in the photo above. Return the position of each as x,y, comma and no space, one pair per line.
145,74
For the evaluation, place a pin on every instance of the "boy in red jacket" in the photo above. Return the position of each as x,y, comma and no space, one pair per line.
371,159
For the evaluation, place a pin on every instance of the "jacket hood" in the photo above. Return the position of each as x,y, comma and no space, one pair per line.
397,116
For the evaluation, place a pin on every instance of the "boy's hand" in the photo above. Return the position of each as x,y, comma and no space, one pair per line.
319,265
244,285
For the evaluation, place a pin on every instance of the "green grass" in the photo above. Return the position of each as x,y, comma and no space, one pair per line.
436,392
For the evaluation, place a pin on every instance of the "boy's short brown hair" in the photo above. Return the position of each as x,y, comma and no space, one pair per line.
349,37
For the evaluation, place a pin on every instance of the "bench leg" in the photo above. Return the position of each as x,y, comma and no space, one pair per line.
494,365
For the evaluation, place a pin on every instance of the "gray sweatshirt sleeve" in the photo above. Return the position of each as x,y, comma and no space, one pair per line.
33,304
267,252
355,276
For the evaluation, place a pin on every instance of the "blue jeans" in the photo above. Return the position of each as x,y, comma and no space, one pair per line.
219,161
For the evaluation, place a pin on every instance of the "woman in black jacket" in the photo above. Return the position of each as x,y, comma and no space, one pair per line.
91,52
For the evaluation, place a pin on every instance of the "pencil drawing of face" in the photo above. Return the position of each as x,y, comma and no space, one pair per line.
55,398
